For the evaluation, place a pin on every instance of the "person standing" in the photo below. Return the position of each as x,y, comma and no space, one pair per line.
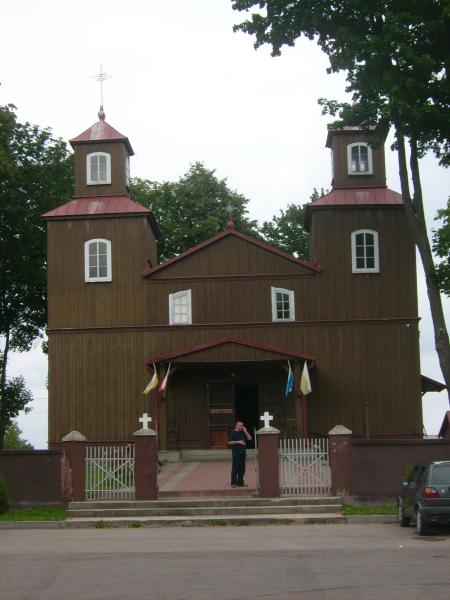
238,444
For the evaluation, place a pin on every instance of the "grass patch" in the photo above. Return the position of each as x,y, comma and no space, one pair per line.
35,514
370,509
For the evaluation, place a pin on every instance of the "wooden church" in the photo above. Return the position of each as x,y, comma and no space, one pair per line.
231,314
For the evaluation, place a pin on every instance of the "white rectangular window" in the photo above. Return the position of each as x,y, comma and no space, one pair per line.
359,159
180,308
97,260
365,255
283,308
98,168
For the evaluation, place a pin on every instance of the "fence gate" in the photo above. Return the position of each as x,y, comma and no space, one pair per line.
304,467
109,472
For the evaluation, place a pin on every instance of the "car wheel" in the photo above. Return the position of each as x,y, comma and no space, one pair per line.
422,527
403,520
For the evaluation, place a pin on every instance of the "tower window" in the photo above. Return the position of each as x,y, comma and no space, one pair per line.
97,260
283,308
359,159
180,308
365,256
98,168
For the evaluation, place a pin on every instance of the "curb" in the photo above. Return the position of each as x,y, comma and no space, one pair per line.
186,522
371,519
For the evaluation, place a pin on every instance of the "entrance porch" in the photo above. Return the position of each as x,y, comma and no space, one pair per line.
213,385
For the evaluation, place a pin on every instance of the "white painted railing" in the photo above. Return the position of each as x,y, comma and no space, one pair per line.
304,467
109,472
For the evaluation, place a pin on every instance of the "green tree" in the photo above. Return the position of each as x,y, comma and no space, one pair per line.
287,232
13,439
16,397
36,174
396,56
192,209
441,247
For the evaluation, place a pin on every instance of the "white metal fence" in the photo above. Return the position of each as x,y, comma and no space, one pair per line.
304,467
109,472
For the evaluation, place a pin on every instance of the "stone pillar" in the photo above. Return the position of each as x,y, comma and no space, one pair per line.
146,464
341,460
268,462
74,448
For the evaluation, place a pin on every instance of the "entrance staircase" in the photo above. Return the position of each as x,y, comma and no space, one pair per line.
205,511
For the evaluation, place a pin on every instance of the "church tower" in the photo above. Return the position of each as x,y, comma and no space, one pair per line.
98,243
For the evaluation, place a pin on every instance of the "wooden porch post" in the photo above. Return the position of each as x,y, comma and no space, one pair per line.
299,408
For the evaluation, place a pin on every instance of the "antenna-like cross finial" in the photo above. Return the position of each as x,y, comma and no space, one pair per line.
101,77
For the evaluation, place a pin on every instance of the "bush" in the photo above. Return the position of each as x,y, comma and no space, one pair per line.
3,496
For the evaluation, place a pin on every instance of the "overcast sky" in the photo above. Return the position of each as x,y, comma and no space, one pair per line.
185,88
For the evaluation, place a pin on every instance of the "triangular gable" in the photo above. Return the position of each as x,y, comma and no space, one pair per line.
231,349
291,264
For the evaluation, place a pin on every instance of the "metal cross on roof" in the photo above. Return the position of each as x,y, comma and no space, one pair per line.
145,420
266,418
101,77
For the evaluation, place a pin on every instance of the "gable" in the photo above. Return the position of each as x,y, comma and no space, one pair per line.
231,253
231,349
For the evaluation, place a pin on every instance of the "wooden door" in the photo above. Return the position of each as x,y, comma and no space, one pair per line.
220,411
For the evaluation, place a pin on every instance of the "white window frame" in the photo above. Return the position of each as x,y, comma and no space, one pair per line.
376,267
108,276
172,301
290,293
369,159
89,179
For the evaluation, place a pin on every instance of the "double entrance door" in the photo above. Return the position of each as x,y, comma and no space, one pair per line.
228,402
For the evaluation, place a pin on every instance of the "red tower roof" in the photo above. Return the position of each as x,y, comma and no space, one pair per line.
373,196
102,132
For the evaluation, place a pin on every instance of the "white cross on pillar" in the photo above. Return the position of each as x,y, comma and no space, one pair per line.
266,418
145,420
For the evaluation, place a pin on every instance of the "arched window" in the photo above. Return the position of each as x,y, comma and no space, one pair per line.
180,308
283,308
359,159
98,168
97,260
365,255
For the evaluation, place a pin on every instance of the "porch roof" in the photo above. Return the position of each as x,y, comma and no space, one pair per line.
231,349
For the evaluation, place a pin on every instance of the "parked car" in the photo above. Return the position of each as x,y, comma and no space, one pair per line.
425,496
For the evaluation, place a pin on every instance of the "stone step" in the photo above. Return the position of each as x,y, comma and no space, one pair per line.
200,455
206,502
205,520
202,511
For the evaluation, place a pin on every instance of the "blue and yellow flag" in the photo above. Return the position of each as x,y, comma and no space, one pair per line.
290,380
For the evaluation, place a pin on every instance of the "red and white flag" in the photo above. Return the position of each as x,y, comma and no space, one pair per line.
163,386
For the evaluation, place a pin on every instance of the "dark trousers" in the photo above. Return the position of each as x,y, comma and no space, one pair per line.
238,469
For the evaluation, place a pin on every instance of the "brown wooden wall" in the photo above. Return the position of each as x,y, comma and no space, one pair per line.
392,291
96,378
340,177
231,280
71,301
117,186
231,256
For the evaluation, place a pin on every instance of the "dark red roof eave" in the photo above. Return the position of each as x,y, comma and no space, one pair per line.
101,132
231,340
98,206
219,236
380,196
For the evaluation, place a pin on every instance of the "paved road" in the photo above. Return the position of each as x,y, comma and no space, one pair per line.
296,562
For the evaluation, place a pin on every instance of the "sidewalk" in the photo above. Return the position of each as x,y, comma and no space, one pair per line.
200,478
